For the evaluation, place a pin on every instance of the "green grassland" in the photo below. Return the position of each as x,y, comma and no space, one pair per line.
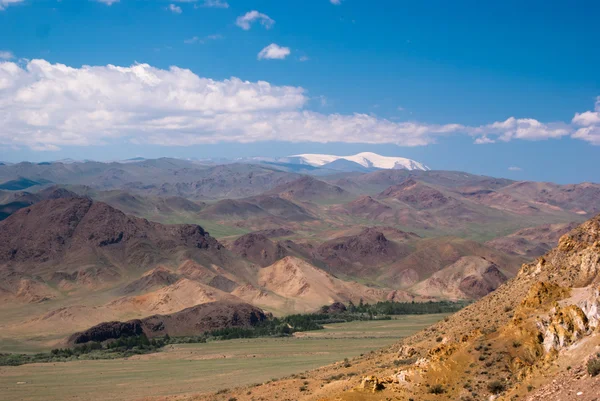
197,368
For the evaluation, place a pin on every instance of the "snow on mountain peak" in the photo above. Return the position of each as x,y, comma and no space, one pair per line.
365,159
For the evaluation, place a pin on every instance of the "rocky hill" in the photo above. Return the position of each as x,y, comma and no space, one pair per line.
187,322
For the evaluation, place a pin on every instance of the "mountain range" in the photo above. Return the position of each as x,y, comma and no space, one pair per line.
82,243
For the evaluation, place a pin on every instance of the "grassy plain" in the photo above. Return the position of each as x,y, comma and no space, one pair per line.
197,368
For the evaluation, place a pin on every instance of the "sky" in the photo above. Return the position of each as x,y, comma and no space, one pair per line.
509,89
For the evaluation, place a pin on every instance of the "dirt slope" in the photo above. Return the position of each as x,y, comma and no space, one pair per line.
310,288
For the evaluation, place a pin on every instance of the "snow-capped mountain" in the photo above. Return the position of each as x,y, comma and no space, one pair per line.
365,159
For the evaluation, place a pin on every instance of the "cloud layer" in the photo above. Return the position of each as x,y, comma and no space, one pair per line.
45,106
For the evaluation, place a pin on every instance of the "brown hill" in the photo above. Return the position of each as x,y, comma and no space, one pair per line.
432,255
365,207
575,198
310,189
78,232
188,322
259,249
310,287
79,245
470,277
533,241
358,254
260,207
281,208
233,209
417,195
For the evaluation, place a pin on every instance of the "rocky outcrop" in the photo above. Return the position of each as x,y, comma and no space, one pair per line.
188,322
107,331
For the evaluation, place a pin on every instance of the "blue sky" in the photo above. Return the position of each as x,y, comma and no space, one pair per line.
424,80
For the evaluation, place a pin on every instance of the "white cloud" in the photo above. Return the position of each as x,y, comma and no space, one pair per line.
245,21
483,140
5,3
196,39
274,52
215,4
6,55
588,125
175,9
336,2
514,168
47,106
400,108
304,58
108,2
520,128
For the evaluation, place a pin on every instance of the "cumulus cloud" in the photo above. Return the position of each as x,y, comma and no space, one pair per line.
175,9
274,52
46,106
514,168
5,3
245,21
520,128
588,125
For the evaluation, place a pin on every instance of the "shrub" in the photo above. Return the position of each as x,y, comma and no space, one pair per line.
496,387
437,389
593,367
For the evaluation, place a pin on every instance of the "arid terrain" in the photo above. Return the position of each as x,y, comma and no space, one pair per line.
93,252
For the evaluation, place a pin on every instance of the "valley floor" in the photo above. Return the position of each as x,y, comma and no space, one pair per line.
198,368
